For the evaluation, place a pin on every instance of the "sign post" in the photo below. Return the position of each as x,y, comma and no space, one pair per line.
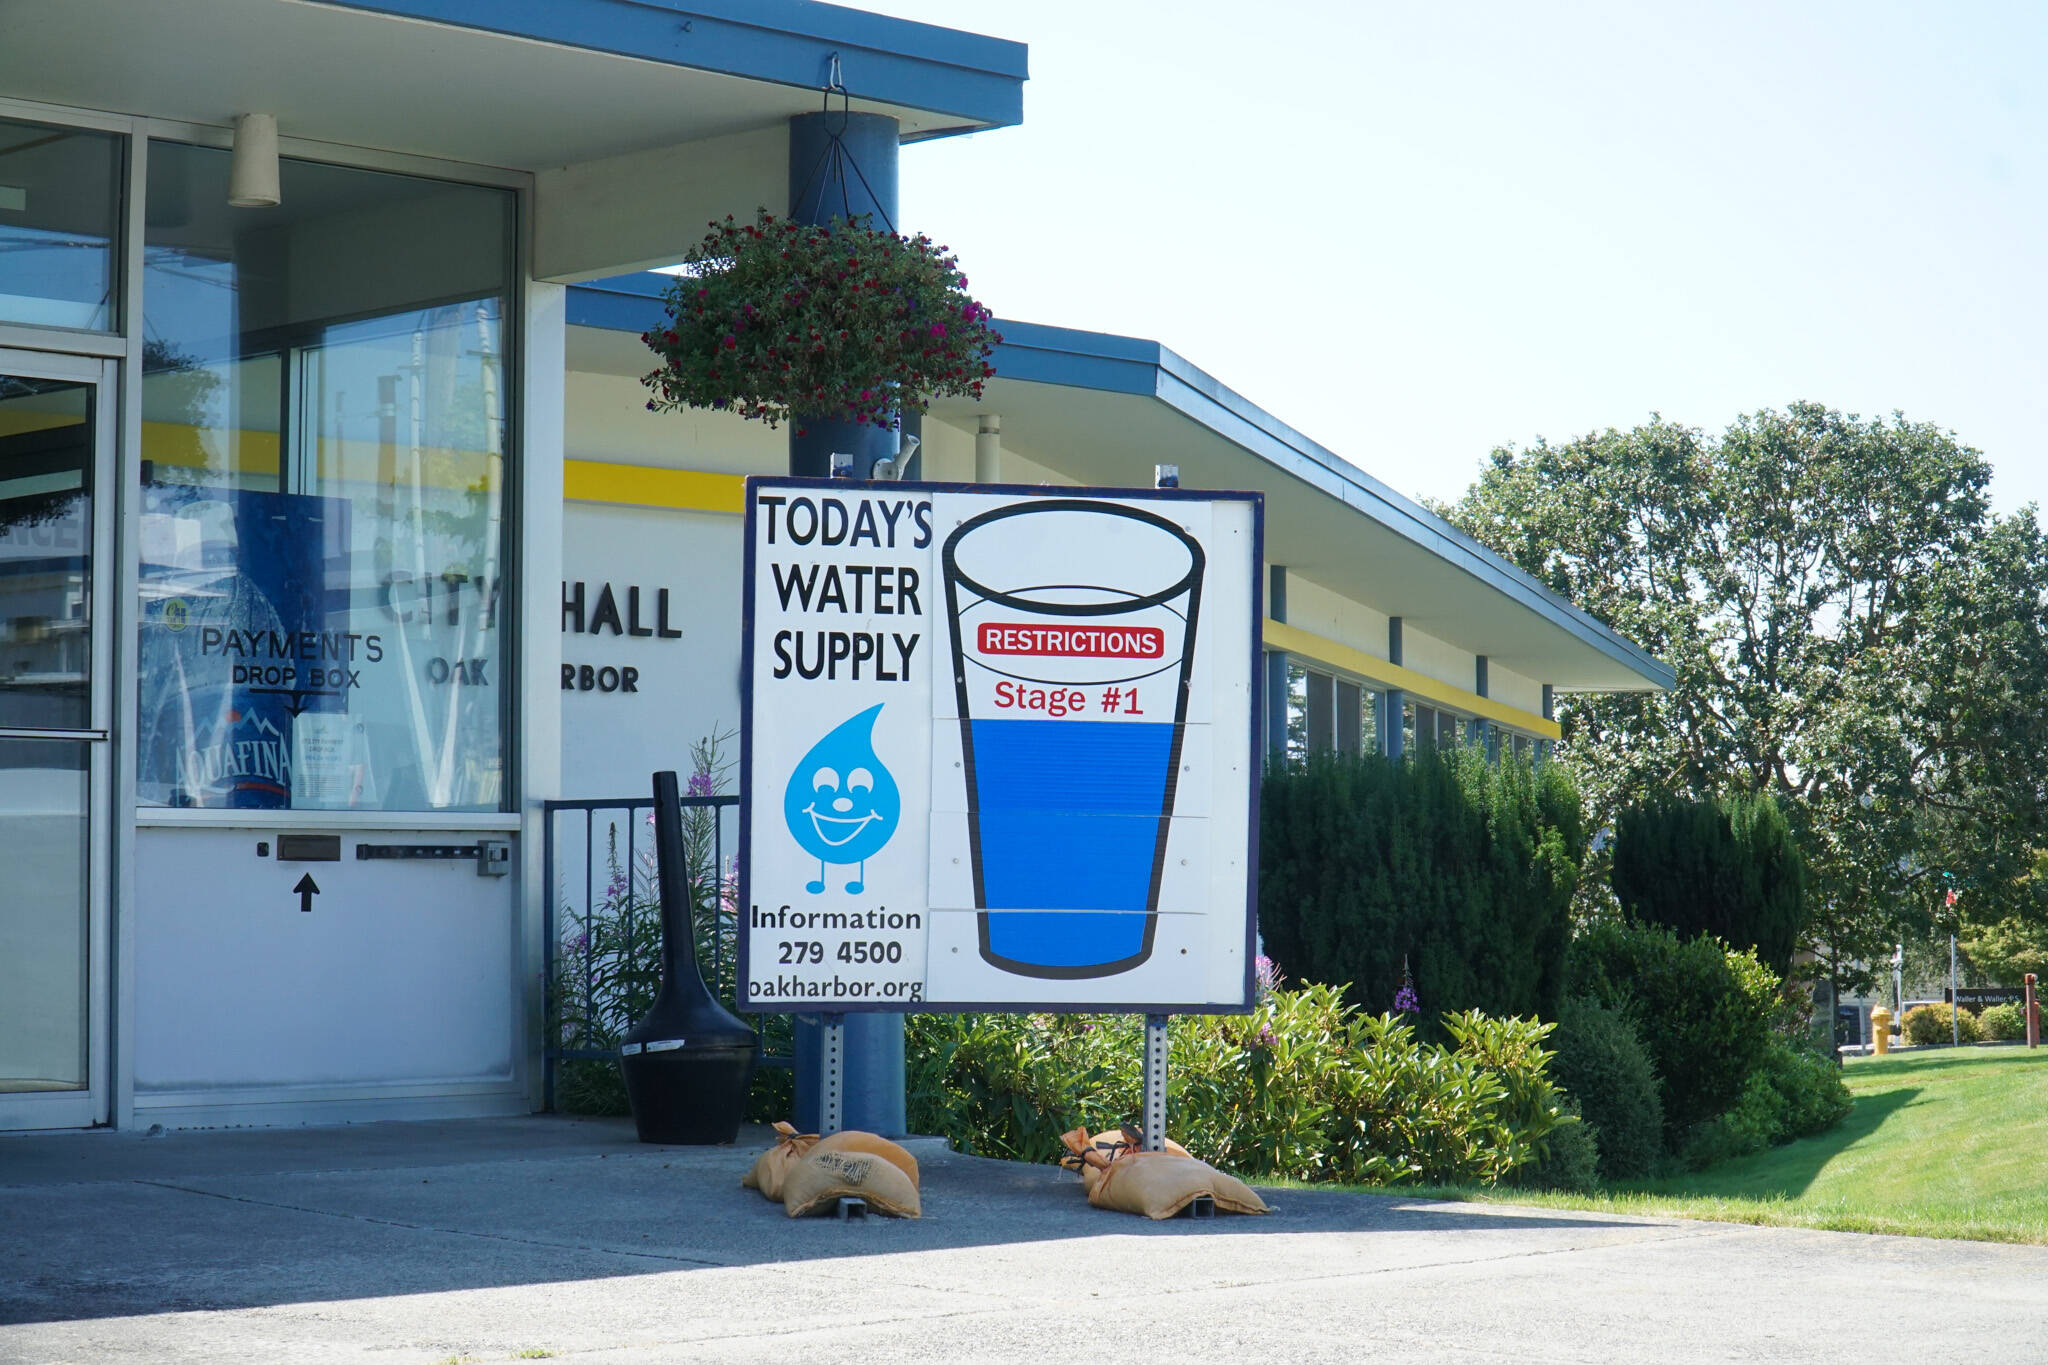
998,749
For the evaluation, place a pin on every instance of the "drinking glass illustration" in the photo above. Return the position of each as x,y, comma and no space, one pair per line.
1073,629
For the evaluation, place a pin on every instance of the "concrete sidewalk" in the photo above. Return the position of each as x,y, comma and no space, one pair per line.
484,1239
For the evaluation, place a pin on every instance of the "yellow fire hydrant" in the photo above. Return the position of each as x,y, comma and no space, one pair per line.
1881,1028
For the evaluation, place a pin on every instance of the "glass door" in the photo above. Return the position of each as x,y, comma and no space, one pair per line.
55,447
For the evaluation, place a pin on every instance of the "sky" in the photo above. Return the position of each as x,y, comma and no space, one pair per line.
1417,232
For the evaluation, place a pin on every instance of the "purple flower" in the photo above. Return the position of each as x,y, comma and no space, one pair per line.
1405,1001
1267,1038
701,785
938,329
1268,974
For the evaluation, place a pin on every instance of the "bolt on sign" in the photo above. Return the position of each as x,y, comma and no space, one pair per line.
998,748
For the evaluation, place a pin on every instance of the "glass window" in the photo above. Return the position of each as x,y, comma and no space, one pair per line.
60,197
43,785
46,459
1297,712
1322,713
324,405
1348,718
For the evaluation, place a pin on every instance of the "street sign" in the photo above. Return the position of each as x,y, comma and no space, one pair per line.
998,748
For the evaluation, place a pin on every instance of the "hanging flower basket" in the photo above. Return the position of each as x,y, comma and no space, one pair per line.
780,321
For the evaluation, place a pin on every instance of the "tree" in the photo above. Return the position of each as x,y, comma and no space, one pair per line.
1725,866
1854,633
1460,870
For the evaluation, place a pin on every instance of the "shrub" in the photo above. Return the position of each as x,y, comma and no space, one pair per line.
1703,1011
2004,1023
1925,1025
1795,1092
1304,1087
1726,867
1602,1064
1461,870
1572,1163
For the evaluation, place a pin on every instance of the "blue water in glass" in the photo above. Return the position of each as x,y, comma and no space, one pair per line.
1068,819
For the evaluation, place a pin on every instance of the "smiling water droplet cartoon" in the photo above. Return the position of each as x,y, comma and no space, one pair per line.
841,804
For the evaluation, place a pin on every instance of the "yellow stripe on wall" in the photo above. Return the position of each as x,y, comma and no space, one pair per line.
689,490
1318,649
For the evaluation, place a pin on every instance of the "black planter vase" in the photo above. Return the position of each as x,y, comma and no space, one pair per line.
688,1063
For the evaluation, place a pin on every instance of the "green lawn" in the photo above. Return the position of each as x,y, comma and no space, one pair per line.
1942,1143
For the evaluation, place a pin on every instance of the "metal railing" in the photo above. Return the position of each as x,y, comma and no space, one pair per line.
602,924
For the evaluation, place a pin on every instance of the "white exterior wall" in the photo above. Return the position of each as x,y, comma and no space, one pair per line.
1317,609
642,210
1433,658
1510,688
948,456
685,687
609,421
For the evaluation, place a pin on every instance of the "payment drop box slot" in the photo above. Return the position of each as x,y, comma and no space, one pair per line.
493,857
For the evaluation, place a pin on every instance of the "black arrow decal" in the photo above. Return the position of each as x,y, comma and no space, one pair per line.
307,889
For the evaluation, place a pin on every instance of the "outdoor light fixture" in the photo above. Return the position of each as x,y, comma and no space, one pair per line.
252,175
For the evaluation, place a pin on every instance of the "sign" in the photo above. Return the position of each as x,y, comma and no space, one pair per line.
631,703
1977,997
244,633
998,748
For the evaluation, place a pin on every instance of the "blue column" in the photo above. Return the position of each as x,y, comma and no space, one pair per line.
1484,732
1391,701
826,183
1276,668
857,177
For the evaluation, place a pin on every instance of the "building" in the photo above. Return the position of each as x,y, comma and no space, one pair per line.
318,475
1386,628
281,497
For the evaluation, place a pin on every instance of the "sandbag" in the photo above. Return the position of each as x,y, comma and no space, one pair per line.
854,1140
1160,1184
1155,1184
1111,1143
823,1176
772,1165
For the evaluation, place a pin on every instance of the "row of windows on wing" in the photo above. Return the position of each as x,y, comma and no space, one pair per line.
1326,712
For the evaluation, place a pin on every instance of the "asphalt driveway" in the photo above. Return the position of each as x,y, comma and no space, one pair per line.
485,1239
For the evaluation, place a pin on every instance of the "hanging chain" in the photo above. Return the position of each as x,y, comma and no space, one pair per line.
834,159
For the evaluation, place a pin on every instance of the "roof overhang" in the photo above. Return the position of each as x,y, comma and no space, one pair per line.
1105,409
518,84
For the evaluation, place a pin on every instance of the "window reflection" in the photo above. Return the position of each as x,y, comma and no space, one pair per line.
46,447
1326,713
59,197
324,479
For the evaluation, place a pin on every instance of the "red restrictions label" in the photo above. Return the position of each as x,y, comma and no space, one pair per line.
1090,642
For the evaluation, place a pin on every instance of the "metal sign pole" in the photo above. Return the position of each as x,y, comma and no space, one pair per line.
831,1073
1155,1082
1955,1023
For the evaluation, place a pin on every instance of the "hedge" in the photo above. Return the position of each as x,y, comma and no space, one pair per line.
1462,869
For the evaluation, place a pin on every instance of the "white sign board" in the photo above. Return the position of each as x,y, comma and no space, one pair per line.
998,748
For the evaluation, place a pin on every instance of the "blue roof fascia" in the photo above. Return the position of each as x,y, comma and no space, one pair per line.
1095,360
623,303
788,42
1101,361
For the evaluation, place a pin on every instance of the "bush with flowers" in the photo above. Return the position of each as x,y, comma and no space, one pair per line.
778,321
1305,1087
